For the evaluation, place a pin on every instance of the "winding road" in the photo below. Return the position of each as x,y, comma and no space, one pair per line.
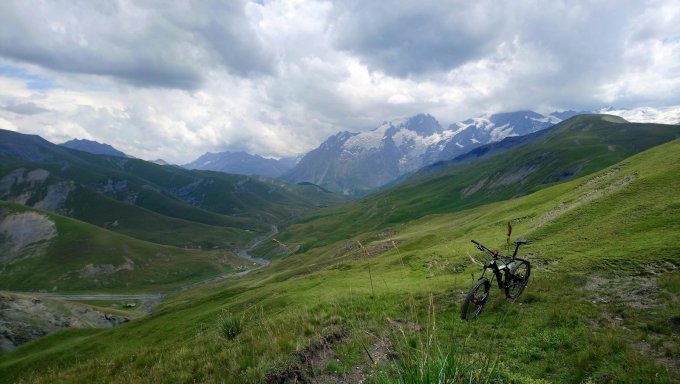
243,253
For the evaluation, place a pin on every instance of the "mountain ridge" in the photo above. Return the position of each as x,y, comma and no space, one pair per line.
356,163
93,147
240,163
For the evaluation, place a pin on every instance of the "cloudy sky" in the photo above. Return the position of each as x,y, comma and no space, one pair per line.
173,80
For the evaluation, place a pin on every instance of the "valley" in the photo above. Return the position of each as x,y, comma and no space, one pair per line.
370,289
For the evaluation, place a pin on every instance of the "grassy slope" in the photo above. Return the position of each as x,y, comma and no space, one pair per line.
156,267
148,220
594,242
145,224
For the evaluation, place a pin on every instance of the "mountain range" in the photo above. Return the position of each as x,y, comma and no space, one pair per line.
242,163
356,163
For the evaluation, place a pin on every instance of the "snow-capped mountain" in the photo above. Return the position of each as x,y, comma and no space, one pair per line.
241,163
354,163
485,129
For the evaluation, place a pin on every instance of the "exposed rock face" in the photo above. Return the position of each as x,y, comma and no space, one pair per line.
24,234
34,188
24,318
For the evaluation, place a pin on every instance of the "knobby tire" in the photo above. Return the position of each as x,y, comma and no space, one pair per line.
517,279
476,299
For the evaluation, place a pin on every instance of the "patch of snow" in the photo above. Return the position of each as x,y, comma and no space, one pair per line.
366,141
483,123
547,119
500,133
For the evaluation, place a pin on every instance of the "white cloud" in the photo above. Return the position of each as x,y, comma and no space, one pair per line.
278,77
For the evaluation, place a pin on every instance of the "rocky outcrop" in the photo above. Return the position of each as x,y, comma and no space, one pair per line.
24,318
36,188
24,234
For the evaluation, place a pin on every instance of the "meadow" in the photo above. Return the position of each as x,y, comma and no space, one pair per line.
381,303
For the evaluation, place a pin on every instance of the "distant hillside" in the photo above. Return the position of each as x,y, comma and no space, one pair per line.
168,205
241,163
43,251
93,147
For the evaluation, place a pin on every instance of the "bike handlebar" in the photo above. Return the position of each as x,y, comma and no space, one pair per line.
495,254
481,247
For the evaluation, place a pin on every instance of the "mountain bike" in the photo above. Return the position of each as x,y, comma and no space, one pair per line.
511,273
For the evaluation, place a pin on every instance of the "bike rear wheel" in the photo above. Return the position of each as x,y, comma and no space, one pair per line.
475,299
516,280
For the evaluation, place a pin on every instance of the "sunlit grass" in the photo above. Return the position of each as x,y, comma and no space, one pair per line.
395,301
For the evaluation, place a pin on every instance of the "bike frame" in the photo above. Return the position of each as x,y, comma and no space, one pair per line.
493,264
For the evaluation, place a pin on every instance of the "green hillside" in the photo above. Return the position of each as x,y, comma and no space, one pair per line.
573,148
163,204
381,305
71,255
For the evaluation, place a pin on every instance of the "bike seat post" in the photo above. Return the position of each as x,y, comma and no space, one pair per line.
517,244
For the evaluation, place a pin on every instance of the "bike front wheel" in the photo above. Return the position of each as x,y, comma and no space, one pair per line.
475,299
516,280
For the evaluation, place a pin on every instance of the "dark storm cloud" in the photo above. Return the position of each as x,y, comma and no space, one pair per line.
423,38
159,44
235,41
24,108
416,38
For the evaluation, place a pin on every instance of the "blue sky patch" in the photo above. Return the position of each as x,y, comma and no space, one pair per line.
32,81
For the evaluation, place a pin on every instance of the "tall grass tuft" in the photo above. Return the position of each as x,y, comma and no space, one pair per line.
230,326
419,358
370,275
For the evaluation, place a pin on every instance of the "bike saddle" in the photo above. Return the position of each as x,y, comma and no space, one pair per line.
520,241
